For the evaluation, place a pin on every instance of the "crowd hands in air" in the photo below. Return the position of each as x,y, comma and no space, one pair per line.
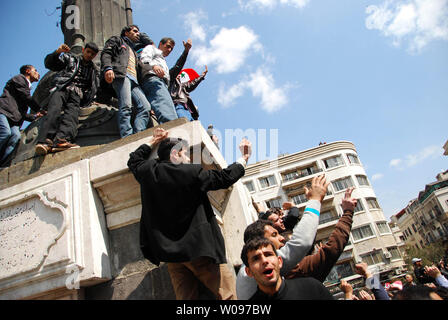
281,260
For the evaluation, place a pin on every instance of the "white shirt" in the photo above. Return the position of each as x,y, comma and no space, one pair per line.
154,57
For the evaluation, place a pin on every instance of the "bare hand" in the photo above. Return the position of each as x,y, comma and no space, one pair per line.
363,295
362,269
288,205
158,71
347,289
40,114
205,71
432,271
109,76
187,45
63,48
159,135
318,188
348,203
246,149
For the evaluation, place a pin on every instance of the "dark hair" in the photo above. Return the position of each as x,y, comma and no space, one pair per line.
418,292
166,39
25,68
265,215
255,244
167,145
92,46
256,229
127,29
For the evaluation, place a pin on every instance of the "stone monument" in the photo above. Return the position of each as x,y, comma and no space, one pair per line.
69,221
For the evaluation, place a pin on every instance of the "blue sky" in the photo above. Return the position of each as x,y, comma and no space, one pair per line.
373,72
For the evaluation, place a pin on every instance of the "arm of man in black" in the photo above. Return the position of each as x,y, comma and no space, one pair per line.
174,71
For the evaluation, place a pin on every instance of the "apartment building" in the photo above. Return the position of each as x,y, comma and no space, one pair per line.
425,219
273,182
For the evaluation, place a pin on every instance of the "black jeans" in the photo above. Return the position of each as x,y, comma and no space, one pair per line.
58,125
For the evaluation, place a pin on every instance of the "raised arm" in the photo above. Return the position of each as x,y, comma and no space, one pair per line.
320,264
223,179
138,158
305,231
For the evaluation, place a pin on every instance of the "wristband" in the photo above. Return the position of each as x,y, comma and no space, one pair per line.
349,211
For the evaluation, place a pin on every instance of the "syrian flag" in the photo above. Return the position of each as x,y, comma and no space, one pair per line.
188,75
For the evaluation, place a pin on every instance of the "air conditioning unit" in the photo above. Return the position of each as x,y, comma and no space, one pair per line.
387,255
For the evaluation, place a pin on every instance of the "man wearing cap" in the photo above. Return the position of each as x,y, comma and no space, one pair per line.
419,272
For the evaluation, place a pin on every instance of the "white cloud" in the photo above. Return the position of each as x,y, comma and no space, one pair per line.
262,85
416,22
270,4
377,176
395,162
192,21
228,50
414,159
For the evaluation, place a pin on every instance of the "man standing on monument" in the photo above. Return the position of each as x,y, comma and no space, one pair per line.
14,103
74,86
157,78
178,225
120,68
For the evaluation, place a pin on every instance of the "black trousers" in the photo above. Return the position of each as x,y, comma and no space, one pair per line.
58,125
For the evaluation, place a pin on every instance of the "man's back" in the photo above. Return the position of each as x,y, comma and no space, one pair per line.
178,223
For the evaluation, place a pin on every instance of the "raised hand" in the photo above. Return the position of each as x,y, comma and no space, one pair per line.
348,203
318,188
63,48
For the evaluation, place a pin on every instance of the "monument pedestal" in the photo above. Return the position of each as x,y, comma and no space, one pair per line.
69,222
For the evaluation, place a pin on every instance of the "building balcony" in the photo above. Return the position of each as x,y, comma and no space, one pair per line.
297,177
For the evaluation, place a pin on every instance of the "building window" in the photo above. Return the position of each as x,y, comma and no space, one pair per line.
414,228
333,162
362,232
362,180
383,227
249,186
359,206
267,182
437,210
372,203
353,159
327,216
290,176
394,252
409,231
274,203
342,184
299,199
373,257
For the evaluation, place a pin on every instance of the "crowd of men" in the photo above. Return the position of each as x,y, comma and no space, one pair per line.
178,224
133,70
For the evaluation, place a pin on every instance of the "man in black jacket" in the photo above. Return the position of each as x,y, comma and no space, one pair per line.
178,224
119,65
14,103
74,86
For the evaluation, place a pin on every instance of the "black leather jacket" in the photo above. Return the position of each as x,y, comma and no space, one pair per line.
67,66
115,55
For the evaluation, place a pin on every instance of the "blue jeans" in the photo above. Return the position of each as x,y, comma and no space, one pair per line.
158,96
182,112
129,94
9,137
